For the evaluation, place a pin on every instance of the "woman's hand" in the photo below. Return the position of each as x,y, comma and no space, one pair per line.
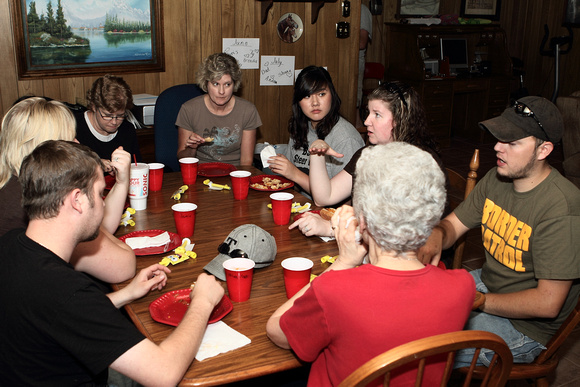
121,165
320,147
312,224
281,165
107,167
344,223
194,140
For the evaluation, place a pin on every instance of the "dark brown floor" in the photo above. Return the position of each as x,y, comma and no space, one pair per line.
457,157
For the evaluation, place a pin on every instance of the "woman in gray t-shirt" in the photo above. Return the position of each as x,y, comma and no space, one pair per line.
315,115
218,126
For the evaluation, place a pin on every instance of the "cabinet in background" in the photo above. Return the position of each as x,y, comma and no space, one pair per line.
454,104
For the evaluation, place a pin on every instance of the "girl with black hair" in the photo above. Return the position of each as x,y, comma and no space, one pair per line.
315,115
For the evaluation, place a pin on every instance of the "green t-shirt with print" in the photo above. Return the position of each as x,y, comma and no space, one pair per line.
527,236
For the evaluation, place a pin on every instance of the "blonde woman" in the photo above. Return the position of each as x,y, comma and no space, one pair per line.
31,122
218,126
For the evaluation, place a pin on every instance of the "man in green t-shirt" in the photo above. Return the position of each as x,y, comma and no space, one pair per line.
529,215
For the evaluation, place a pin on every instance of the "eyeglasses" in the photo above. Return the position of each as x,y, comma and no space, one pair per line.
224,248
394,88
524,111
111,118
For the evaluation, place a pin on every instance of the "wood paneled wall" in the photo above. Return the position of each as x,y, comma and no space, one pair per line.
523,21
193,29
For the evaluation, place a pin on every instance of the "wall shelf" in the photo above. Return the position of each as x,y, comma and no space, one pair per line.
316,5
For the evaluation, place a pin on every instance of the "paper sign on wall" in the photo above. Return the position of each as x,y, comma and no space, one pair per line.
246,51
277,71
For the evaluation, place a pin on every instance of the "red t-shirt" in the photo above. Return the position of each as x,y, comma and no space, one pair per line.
347,317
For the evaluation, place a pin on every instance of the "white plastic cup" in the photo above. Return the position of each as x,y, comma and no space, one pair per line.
139,186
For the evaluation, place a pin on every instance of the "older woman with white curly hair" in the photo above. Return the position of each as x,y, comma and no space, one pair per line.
400,215
354,311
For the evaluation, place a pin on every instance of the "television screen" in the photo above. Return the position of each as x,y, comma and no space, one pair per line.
456,50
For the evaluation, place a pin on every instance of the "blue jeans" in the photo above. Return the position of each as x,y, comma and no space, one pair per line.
524,349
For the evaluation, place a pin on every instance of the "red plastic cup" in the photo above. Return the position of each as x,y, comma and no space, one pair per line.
296,274
281,207
155,176
188,169
184,215
239,273
240,184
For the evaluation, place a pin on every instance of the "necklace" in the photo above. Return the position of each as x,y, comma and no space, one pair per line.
402,258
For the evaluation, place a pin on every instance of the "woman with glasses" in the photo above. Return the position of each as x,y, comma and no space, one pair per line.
395,114
315,116
108,123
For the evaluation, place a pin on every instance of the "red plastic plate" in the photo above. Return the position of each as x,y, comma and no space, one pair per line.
171,307
258,179
175,241
215,169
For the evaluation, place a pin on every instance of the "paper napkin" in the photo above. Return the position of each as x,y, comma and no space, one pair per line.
266,153
220,338
146,241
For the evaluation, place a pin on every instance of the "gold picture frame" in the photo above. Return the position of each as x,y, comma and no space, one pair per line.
52,38
481,9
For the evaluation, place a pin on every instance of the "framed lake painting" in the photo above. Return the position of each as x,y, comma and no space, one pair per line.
57,38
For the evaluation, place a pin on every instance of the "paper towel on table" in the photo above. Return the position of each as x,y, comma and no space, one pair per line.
266,153
220,338
357,234
144,242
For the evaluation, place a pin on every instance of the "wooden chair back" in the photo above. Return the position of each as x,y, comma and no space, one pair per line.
570,109
447,343
547,360
459,189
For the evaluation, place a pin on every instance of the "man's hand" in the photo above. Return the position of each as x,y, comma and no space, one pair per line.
207,288
443,236
430,252
151,278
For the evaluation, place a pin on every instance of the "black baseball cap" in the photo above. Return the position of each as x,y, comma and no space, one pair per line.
528,116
